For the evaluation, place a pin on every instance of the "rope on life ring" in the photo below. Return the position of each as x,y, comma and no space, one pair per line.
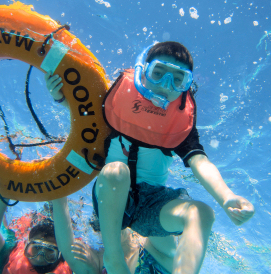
41,42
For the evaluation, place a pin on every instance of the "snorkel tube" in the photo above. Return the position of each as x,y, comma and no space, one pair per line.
157,100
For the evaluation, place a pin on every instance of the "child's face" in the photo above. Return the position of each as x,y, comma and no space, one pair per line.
170,94
37,253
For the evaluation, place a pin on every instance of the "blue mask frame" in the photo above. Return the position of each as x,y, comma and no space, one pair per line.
158,100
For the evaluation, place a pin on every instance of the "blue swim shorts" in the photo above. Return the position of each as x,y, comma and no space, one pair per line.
143,218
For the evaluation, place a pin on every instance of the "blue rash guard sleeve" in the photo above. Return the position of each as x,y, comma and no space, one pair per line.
190,147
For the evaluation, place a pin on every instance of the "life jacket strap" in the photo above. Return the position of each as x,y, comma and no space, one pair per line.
132,161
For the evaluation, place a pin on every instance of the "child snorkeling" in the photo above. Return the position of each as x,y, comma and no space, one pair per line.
153,115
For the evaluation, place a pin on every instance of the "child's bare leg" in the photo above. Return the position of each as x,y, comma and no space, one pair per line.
112,189
195,219
162,250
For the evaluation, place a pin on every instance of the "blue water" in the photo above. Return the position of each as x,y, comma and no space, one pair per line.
231,45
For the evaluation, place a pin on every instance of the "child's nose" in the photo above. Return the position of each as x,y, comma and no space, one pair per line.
167,82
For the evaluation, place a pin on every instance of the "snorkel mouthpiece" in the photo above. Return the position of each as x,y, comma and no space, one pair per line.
157,100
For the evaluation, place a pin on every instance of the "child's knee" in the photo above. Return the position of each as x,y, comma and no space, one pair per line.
203,212
115,172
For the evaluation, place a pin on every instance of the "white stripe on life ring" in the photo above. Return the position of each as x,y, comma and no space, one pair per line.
79,162
54,56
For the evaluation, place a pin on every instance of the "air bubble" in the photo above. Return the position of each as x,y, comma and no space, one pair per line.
166,36
223,98
193,13
181,12
214,143
227,20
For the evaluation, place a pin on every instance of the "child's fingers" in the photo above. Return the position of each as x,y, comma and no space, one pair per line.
78,248
239,215
47,75
56,88
78,253
246,212
80,256
78,244
81,259
54,81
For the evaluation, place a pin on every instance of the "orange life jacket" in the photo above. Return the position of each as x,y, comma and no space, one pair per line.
128,112
19,264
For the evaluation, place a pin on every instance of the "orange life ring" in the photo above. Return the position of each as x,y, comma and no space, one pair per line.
22,34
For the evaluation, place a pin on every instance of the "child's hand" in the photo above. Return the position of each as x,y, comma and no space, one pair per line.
53,83
81,252
239,209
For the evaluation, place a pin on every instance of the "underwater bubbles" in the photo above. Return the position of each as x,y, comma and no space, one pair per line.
227,20
223,98
193,13
181,12
214,143
119,51
107,4
166,36
255,23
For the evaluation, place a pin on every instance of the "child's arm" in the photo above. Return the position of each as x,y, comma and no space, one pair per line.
236,207
54,85
80,258
2,212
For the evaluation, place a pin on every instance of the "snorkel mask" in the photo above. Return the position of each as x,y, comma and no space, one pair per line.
50,251
166,80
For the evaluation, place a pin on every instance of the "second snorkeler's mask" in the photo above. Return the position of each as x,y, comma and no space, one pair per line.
48,250
162,74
